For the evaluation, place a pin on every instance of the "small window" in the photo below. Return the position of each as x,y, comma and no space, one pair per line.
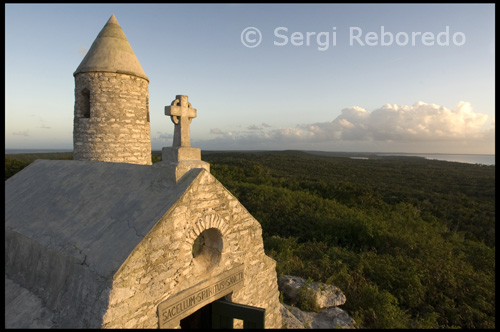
85,98
147,109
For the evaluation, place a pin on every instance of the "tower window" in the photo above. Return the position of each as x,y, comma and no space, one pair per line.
85,110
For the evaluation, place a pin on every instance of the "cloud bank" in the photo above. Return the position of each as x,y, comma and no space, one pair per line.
422,127
417,123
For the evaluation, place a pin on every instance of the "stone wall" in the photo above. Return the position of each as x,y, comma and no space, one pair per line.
111,118
164,265
202,236
68,291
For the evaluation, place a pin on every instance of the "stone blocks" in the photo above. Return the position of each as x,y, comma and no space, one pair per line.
111,120
180,154
164,265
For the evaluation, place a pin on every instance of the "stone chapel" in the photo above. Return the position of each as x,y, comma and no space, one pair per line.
108,240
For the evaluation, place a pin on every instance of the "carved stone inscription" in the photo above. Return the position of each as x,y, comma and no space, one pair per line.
188,301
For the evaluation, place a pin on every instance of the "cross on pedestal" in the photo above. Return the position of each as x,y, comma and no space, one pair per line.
181,113
181,157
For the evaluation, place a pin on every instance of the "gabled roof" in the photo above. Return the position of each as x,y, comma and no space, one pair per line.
111,52
97,212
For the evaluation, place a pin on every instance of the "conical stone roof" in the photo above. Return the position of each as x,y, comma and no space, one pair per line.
111,52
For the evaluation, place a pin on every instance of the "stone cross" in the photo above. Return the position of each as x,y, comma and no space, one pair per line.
181,113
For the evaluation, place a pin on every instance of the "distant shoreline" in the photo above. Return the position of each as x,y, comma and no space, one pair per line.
22,151
484,159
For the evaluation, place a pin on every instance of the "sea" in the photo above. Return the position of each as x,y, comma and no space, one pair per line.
483,159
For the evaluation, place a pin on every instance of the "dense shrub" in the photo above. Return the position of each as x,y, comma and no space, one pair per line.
409,241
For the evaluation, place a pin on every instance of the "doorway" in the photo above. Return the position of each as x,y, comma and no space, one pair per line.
202,318
221,314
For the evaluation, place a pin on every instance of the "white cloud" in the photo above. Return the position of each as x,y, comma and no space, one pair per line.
421,126
419,122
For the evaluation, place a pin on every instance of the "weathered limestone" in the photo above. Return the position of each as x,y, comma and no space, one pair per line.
329,318
123,243
111,53
104,244
171,267
181,113
326,297
289,321
181,157
111,117
21,306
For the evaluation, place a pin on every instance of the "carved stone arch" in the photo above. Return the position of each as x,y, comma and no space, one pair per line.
206,240
212,220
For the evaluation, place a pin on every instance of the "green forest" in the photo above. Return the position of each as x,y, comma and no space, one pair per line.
410,241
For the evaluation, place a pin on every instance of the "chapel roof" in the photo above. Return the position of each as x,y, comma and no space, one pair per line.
97,212
111,52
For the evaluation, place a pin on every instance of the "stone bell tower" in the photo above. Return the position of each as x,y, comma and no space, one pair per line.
111,119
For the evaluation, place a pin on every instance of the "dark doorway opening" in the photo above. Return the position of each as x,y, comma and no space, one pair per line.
202,318
221,314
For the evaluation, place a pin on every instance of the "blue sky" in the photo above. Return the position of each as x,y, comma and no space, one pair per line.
328,92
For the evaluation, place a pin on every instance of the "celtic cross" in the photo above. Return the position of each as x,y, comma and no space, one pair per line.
181,113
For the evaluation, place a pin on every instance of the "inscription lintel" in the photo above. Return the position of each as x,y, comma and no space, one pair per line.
181,305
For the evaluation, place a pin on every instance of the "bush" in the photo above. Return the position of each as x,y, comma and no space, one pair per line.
13,165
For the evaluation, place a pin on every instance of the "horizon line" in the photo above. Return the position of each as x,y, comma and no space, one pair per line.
274,150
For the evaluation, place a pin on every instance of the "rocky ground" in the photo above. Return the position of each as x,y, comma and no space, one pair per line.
322,299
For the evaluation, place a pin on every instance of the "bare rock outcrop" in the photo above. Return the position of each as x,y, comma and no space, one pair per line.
323,298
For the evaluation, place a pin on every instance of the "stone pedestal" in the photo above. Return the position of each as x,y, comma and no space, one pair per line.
178,161
183,153
181,157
